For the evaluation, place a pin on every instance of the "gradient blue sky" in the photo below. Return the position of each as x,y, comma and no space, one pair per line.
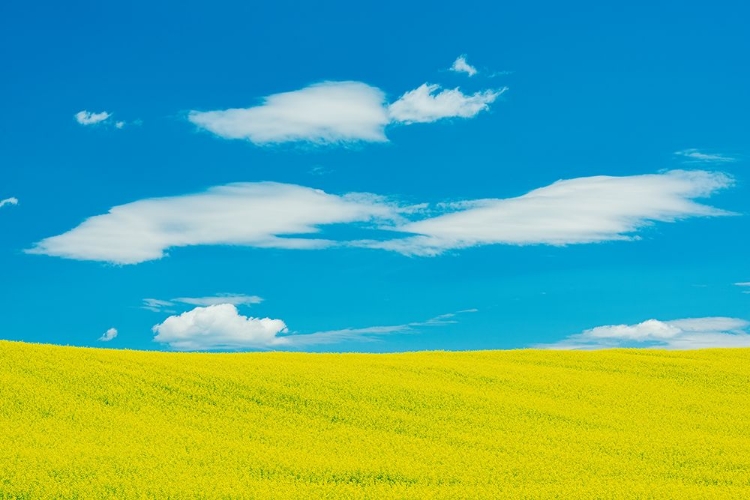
643,91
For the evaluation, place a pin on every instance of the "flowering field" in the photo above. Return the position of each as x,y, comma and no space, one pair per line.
90,423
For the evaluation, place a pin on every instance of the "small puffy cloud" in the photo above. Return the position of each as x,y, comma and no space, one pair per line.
583,210
696,156
428,103
461,66
263,214
222,327
691,333
9,201
103,118
108,335
88,118
218,326
325,113
648,330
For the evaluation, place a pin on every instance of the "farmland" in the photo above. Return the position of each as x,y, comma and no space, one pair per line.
96,423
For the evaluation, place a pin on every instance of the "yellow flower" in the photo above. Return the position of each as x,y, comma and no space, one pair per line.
91,423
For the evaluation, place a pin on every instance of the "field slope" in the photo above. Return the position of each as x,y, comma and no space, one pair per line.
91,423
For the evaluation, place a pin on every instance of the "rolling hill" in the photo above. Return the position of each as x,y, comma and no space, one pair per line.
97,423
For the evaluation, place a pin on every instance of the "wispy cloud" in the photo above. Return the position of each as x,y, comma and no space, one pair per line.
272,215
263,214
108,335
338,113
745,285
222,327
224,298
696,156
158,305
461,66
319,170
133,123
501,73
583,210
368,334
8,201
691,333
88,118
428,103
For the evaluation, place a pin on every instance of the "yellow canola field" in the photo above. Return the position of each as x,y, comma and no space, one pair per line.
95,423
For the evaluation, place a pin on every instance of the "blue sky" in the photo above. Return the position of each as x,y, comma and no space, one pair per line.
189,176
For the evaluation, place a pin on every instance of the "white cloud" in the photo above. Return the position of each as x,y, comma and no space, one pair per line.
8,201
249,214
427,104
109,335
371,333
88,118
228,298
325,113
132,123
339,112
220,326
694,155
272,215
583,210
691,333
156,305
461,66
367,334
746,283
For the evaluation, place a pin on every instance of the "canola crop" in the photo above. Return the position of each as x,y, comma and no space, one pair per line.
95,423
